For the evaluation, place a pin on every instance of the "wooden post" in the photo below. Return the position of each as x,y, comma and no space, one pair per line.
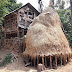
45,62
64,60
34,61
56,60
42,60
37,61
51,62
31,61
61,59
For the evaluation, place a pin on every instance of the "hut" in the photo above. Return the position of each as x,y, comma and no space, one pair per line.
46,42
16,23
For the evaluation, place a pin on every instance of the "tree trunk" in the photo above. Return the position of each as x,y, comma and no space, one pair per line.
51,3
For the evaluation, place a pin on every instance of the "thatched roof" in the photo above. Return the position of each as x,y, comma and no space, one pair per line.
45,36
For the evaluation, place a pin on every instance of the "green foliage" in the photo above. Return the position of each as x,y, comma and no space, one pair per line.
6,60
3,10
60,4
65,16
12,5
7,6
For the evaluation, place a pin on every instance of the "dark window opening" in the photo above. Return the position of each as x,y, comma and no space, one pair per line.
21,12
26,13
29,13
13,35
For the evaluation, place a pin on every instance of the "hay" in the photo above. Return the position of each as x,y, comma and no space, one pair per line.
45,36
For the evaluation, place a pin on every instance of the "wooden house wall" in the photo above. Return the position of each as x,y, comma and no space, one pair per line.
25,16
10,22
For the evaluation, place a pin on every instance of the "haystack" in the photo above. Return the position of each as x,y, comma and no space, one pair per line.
46,42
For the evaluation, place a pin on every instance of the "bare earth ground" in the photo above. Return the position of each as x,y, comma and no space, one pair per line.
18,65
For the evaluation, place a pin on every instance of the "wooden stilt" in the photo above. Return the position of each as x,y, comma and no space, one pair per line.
68,57
61,59
31,61
45,62
51,62
42,60
34,61
37,61
64,60
56,60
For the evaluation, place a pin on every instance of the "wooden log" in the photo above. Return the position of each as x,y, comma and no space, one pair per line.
51,62
56,60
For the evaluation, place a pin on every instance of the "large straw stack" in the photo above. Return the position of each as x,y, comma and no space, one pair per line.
46,40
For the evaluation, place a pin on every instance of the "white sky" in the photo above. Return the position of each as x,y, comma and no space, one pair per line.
35,3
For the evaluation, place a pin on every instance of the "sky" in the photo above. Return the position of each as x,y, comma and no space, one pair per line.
35,3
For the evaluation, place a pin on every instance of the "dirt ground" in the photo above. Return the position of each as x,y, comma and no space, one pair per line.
18,65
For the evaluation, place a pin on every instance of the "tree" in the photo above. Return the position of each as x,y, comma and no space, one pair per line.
12,5
65,16
60,4
3,10
51,3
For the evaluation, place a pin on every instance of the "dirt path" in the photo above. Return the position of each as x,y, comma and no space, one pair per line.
18,65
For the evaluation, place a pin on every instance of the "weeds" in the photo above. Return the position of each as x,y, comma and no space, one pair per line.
7,59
